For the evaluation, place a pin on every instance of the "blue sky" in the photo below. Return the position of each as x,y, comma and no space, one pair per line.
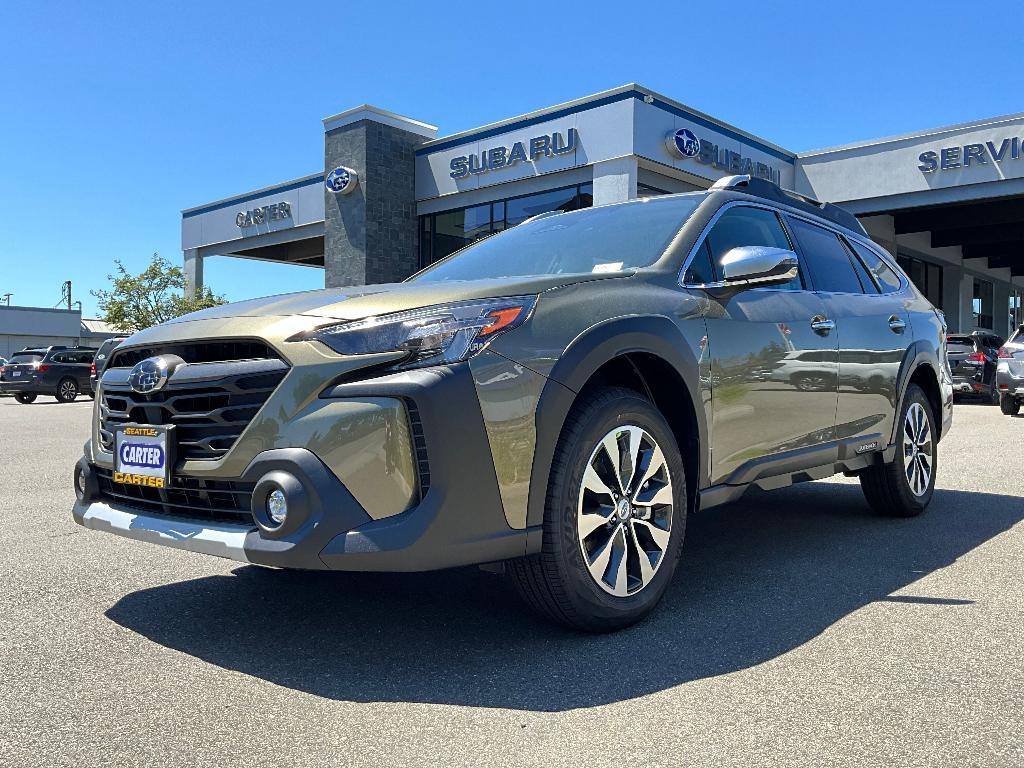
118,115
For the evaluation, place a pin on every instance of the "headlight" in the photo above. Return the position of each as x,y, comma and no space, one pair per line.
434,335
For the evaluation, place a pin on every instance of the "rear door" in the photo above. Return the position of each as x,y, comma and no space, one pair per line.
81,362
773,375
872,329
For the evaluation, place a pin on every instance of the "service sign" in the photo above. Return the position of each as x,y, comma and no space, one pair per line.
144,455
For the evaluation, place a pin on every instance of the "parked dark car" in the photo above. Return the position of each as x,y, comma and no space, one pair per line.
60,372
102,357
972,359
1010,373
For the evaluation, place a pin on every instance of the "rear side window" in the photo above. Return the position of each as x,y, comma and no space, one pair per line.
882,272
60,357
866,281
743,225
827,259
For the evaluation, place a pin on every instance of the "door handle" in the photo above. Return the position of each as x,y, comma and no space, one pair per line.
821,325
896,324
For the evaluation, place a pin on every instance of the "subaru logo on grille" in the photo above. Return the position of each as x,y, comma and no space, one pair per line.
149,375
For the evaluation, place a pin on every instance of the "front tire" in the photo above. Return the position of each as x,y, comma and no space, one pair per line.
614,519
1009,405
904,486
25,397
67,391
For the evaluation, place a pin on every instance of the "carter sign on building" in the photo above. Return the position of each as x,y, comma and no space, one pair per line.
273,212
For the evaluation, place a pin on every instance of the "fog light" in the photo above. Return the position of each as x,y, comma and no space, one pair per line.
277,506
80,484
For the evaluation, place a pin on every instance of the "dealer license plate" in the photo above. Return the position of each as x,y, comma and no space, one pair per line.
16,374
144,455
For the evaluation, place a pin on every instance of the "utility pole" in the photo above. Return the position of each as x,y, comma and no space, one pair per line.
65,293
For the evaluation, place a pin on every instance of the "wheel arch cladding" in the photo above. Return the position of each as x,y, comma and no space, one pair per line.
648,354
918,368
925,377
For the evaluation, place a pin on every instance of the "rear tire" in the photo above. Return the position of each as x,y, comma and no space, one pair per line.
1009,405
25,397
609,553
904,486
67,391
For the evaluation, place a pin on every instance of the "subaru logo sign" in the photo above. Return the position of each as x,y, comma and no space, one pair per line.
684,142
149,375
341,180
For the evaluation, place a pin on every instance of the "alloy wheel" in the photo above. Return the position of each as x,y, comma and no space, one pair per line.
68,390
624,511
917,449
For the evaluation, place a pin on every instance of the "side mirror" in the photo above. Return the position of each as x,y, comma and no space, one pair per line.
759,265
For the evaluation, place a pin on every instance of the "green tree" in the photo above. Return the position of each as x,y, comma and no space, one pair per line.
156,295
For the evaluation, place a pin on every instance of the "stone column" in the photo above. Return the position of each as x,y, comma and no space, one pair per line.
193,270
615,180
370,230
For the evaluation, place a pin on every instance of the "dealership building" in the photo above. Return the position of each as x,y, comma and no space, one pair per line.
393,196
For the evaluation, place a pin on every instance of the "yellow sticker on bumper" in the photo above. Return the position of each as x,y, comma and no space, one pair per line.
130,479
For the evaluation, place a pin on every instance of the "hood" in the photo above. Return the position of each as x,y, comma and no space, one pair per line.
357,302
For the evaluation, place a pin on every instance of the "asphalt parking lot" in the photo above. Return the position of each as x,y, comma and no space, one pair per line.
800,630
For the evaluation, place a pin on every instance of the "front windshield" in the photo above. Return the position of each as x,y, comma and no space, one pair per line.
610,238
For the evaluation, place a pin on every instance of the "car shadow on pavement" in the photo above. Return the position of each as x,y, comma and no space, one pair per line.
759,578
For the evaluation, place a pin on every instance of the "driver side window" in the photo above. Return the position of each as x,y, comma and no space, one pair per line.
738,226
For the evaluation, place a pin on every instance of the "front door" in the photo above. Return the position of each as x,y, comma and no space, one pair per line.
774,359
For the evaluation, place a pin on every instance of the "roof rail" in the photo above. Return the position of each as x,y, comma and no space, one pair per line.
772,191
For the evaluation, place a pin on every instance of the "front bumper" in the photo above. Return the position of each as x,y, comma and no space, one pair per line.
221,540
458,520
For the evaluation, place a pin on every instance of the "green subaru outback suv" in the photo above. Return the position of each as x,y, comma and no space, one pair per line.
554,401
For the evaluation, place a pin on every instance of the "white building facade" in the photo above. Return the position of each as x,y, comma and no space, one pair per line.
393,196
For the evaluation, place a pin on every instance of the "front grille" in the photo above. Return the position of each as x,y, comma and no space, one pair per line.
197,352
225,501
210,403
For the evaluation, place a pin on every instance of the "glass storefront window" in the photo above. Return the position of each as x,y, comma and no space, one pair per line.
519,209
1016,309
453,230
925,275
982,304
646,190
442,234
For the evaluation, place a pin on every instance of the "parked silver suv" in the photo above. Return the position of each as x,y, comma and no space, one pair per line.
554,400
1010,373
